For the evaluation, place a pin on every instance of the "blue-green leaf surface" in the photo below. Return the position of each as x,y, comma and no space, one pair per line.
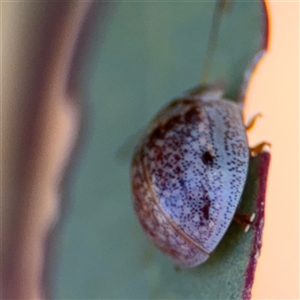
142,55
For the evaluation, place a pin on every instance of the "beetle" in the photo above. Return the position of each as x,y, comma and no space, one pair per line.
188,174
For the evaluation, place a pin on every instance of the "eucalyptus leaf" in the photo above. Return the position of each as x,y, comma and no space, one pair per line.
139,56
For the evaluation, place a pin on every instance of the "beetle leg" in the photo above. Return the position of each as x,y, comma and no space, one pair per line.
245,220
250,124
259,148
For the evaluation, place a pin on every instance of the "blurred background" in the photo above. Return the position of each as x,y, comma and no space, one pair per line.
80,82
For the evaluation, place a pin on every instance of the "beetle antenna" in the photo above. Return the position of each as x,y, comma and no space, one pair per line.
213,38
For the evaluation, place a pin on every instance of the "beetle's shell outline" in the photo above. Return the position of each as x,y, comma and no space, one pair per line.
188,174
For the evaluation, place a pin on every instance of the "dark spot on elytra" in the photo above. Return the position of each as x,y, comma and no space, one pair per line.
205,211
159,156
177,170
182,183
169,126
171,251
206,206
176,120
192,116
157,133
172,123
207,158
177,157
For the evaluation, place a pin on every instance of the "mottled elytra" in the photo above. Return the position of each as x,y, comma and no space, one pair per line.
188,174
